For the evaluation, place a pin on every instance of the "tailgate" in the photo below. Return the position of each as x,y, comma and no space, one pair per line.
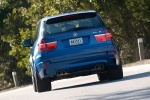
76,45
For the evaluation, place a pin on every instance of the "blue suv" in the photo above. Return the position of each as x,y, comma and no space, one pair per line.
70,45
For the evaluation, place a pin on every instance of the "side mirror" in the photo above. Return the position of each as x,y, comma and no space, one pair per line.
27,43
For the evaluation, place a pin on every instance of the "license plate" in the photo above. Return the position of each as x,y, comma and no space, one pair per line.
76,41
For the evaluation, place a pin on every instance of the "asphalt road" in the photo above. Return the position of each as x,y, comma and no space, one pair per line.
134,86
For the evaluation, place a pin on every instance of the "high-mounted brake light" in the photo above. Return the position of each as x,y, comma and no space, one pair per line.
103,37
43,46
70,16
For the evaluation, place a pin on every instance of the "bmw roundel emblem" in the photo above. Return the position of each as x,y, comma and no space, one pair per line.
75,34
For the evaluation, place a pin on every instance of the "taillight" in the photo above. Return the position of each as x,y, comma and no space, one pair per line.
108,35
103,37
43,46
100,38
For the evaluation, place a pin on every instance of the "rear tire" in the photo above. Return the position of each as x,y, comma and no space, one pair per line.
42,85
102,76
33,82
116,73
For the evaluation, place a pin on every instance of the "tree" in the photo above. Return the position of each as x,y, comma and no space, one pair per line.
11,21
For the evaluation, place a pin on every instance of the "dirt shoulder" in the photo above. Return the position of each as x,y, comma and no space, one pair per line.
13,88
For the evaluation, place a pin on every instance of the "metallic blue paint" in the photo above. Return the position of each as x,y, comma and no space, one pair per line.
71,58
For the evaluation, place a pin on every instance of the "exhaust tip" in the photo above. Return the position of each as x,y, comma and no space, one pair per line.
61,72
99,66
58,73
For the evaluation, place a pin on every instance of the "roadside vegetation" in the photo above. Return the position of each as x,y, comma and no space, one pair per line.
128,19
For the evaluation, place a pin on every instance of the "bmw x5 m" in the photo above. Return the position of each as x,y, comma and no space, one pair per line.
70,45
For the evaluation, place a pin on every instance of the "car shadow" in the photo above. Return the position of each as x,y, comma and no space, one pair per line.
125,78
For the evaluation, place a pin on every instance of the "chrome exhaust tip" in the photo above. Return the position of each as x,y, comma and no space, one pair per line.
61,72
58,73
99,66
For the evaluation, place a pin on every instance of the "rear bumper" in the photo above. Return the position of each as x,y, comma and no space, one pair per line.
76,69
79,73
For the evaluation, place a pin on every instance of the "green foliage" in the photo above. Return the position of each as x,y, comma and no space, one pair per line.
129,20
140,9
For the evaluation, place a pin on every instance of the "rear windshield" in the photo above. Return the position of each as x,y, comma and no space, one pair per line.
72,22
